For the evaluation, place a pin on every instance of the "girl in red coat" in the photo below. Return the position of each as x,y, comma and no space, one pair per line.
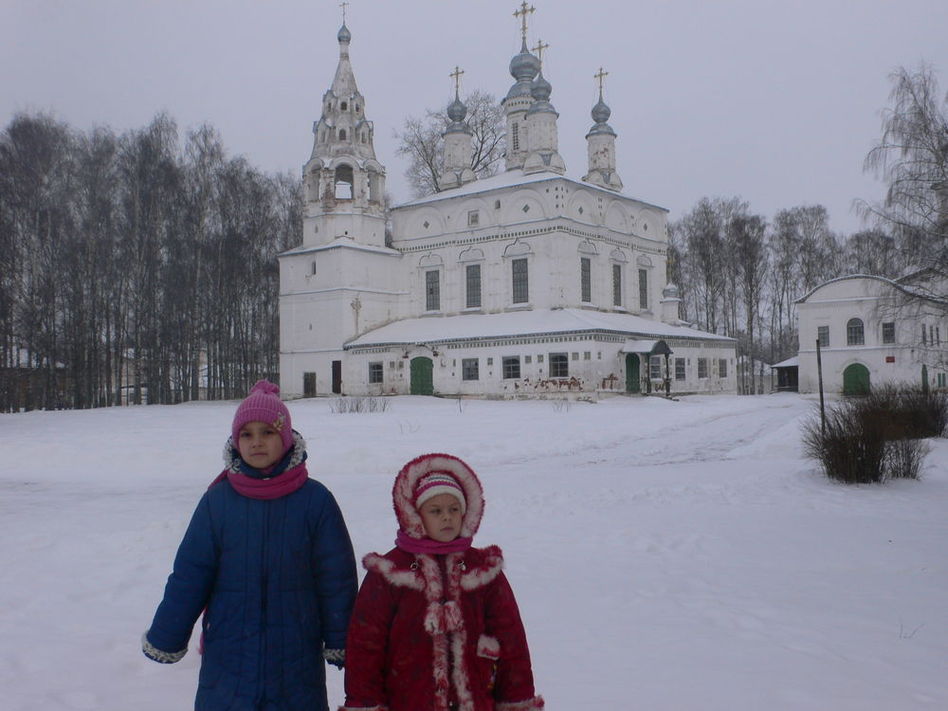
435,625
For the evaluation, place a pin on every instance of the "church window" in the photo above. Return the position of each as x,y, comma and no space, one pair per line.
469,369
363,136
312,268
888,332
702,368
472,286
515,129
342,134
375,372
559,365
343,106
357,108
511,366
575,354
587,355
855,335
426,224
617,285
643,289
580,210
722,367
923,335
527,359
344,182
655,367
679,368
585,279
473,218
823,336
526,209
375,191
520,278
432,290
496,204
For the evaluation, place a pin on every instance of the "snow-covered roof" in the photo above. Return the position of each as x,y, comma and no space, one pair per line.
339,243
434,329
788,363
508,179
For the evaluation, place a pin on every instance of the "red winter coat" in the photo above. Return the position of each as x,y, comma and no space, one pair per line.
438,633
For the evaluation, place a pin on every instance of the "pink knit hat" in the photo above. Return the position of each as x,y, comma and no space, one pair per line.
263,404
436,483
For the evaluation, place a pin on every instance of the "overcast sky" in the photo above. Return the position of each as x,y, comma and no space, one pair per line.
774,101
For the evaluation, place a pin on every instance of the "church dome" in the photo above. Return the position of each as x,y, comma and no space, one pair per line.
541,89
524,66
457,110
344,34
601,112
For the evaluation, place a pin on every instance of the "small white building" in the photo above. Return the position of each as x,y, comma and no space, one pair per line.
874,330
526,282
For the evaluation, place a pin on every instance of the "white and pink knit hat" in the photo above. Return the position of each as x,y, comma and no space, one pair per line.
436,483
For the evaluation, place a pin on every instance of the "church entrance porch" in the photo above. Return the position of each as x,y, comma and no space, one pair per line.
422,382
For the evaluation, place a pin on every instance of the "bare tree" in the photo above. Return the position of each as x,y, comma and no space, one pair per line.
421,141
912,157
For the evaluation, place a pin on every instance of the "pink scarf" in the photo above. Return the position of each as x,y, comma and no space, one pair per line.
286,483
431,546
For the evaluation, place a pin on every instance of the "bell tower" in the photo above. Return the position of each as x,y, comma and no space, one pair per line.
343,183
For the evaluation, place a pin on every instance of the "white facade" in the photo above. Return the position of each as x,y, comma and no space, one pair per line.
526,282
871,329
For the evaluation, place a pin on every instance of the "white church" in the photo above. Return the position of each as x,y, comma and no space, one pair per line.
527,283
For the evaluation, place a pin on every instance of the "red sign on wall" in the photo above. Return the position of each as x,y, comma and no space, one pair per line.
890,359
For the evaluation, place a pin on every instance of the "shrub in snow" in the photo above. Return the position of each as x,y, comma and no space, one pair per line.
874,438
345,405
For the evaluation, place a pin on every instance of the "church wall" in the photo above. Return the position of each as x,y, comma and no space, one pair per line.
596,364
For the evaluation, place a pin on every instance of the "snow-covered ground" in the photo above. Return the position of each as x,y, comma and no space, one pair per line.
666,555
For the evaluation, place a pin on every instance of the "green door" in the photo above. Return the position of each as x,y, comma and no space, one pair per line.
421,380
632,373
856,380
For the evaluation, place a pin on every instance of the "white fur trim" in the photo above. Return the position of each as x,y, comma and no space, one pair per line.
159,655
386,568
484,574
488,647
534,704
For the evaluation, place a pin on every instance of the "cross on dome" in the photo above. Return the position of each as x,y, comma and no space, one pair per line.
539,50
456,75
600,76
343,5
522,15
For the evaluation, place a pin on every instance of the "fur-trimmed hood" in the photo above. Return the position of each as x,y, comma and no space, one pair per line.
403,493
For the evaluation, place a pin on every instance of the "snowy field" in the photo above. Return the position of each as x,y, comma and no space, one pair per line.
666,555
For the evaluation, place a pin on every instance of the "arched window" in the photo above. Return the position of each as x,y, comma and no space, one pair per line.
343,106
342,134
855,334
344,182
375,187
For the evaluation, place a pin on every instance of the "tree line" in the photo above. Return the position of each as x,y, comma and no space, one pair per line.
136,266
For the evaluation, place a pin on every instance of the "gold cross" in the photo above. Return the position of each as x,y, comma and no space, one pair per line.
600,76
539,50
343,5
456,75
522,14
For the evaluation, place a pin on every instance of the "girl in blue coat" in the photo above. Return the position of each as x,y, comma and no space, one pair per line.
267,557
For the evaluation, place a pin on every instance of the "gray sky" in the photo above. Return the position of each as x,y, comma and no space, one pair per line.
774,101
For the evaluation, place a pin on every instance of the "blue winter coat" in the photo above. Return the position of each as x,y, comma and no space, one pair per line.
278,578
